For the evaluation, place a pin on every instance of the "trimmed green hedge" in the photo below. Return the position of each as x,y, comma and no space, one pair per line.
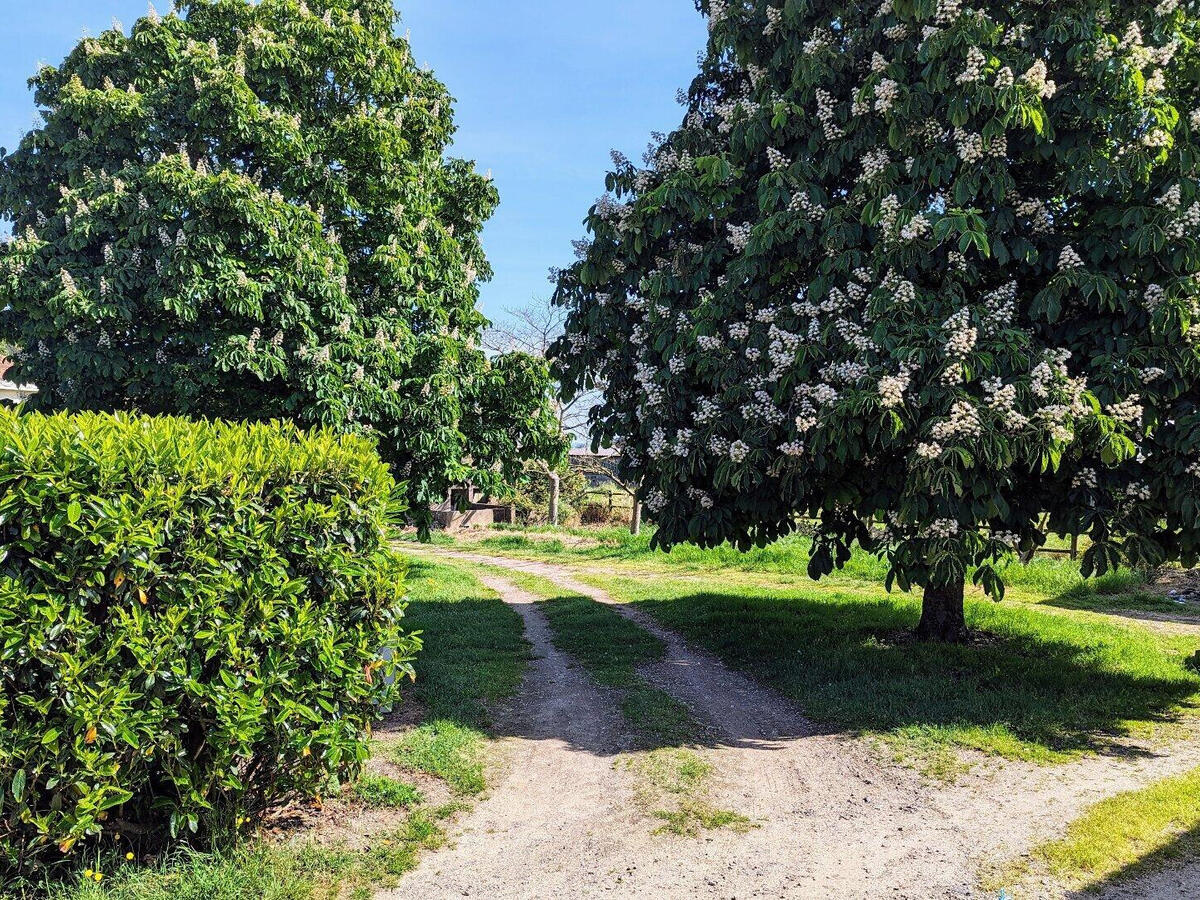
191,624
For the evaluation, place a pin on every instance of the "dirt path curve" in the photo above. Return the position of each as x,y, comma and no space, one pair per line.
833,821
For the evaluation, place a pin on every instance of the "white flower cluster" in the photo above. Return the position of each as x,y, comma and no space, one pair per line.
948,11
1195,119
701,497
1151,374
940,528
874,164
1037,79
821,38
886,94
976,63
801,203
656,501
1005,78
1069,259
774,20
1038,212
1153,296
708,411
1128,411
969,145
918,227
892,388
963,423
1085,478
657,447
1000,307
1138,491
738,451
1194,469
763,408
1186,224
717,11
963,335
1003,399
709,342
739,235
827,115
929,450
776,160
792,449
1009,539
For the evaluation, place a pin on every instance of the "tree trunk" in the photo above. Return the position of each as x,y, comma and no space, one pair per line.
635,524
943,618
554,480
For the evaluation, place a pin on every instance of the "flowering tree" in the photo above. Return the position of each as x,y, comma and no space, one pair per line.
244,210
925,270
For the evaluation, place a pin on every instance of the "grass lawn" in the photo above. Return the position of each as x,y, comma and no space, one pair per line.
1051,675
1036,686
475,654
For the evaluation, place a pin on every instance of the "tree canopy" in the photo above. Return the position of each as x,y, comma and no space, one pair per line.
925,270
245,210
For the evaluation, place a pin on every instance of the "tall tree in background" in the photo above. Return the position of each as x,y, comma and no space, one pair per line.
927,261
533,330
244,210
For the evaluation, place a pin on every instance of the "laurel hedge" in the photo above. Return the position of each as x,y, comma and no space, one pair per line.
197,622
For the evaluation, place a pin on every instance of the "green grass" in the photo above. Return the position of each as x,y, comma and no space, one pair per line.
265,871
1126,836
475,654
381,792
1051,579
1037,686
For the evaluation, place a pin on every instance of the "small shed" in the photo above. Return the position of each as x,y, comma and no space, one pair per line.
464,508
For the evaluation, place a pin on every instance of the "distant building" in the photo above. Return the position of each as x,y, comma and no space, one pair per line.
13,393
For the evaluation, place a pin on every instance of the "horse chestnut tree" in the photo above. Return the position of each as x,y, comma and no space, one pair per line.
924,270
244,210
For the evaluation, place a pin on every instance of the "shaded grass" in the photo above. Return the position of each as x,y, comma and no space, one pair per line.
265,871
475,654
1125,836
1036,686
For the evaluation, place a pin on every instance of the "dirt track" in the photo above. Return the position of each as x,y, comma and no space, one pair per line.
833,821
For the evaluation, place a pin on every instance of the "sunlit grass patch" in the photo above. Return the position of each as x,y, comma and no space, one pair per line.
674,786
1122,837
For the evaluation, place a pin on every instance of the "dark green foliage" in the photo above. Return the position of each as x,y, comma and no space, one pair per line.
243,210
191,624
926,264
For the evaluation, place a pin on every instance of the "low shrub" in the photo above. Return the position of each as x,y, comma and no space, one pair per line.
191,624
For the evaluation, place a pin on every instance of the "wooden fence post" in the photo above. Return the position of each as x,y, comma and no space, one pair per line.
554,498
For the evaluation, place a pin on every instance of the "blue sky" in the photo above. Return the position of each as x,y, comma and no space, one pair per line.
545,89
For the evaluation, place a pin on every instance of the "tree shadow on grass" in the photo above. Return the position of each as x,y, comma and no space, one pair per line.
1032,686
1171,871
